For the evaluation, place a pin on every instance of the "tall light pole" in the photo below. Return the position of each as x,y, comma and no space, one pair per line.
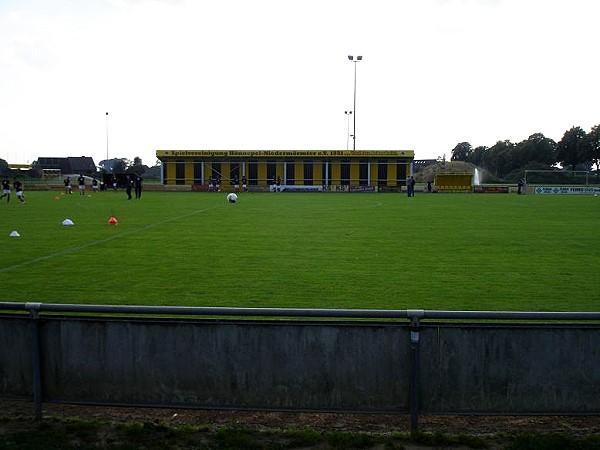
351,58
348,113
106,138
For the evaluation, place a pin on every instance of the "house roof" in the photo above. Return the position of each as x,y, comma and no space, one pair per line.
71,164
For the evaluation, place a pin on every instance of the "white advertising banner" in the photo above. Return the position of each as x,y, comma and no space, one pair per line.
294,188
585,190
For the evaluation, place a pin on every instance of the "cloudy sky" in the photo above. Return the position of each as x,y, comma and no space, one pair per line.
275,74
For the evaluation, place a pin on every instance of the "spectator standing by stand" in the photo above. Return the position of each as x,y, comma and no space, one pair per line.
410,186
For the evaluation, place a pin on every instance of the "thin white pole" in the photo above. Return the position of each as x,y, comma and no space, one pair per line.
354,126
348,113
106,136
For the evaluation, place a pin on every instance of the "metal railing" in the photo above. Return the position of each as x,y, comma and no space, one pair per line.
34,311
409,314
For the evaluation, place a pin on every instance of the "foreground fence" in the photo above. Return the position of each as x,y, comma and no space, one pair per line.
405,361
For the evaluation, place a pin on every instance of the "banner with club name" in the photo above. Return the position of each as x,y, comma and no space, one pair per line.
570,190
286,153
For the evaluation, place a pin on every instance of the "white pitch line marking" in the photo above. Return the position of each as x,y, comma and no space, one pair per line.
100,241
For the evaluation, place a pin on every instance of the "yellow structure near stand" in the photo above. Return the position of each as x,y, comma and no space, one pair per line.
454,182
20,166
289,169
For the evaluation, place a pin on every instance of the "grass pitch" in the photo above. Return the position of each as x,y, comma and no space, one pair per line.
313,250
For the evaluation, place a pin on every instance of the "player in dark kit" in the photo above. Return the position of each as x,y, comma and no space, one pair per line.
128,185
137,184
19,190
68,189
6,190
81,183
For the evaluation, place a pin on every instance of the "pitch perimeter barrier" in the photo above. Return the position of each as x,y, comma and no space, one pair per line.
393,361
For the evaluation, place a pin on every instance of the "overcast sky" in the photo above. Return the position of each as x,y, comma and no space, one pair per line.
275,74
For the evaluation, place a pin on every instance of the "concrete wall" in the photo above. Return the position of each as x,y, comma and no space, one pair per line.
16,352
530,369
305,365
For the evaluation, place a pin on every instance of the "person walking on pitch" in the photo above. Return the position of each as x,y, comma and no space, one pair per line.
68,189
137,184
6,190
19,190
81,183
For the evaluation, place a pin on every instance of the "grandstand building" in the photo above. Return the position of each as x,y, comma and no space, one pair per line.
290,169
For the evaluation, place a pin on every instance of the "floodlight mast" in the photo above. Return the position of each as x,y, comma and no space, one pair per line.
351,58
348,113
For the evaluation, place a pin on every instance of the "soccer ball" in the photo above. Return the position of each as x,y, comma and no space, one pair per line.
232,198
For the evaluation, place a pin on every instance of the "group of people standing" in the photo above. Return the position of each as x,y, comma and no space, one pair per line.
134,183
6,188
236,184
80,185
214,184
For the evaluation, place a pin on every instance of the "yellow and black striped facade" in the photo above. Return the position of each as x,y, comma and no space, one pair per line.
382,168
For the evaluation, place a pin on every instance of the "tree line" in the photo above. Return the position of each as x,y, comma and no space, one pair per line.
126,166
507,161
115,165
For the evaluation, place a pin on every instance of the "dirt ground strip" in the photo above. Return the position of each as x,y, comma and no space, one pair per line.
19,413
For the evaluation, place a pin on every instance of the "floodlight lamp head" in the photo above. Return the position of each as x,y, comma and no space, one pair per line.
359,58
350,57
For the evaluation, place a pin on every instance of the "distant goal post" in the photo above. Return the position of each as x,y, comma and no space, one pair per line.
563,177
51,173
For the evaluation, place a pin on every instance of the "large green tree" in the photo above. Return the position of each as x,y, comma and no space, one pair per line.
137,166
571,148
499,158
478,155
576,150
592,148
115,165
462,152
4,170
536,148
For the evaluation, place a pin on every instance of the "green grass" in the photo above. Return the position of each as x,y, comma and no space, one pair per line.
377,251
81,434
556,441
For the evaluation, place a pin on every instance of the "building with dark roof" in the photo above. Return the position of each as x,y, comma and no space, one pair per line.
70,164
291,170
